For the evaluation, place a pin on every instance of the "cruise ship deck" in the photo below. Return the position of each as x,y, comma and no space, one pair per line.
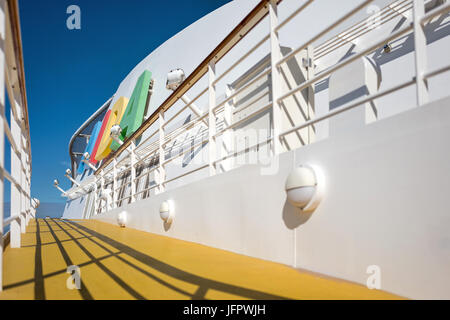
124,263
271,150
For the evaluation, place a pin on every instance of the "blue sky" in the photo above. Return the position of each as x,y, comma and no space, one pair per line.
71,73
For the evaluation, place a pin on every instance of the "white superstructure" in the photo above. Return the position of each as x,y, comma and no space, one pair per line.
356,90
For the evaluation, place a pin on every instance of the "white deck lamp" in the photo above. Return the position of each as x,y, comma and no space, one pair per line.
56,184
86,159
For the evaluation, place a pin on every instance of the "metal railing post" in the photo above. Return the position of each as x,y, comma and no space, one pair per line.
161,169
420,44
212,117
133,171
33,214
275,54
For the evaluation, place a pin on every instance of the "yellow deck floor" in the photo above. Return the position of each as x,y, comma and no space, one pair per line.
123,263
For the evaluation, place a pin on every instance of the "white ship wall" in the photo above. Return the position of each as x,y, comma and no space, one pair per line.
385,204
370,215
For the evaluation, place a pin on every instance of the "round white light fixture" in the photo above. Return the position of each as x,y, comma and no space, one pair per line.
37,203
56,183
304,188
68,172
175,78
122,219
166,211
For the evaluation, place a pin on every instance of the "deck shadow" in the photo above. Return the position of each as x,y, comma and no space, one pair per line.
204,284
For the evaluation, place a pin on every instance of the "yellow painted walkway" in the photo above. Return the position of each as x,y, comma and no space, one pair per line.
118,263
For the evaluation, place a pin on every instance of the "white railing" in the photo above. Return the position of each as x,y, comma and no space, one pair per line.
152,156
23,207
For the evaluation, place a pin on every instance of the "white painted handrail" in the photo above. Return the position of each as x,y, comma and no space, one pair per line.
8,220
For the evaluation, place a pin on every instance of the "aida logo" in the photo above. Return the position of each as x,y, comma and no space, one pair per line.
127,113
